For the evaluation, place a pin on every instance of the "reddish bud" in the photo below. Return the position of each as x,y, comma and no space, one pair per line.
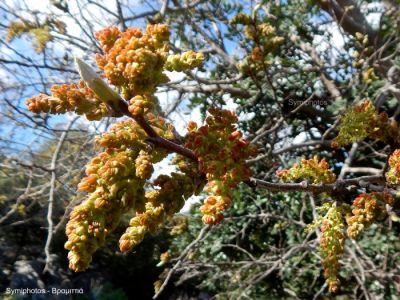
235,135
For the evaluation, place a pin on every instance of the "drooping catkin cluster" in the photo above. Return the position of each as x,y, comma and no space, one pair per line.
332,242
332,224
221,152
64,98
264,39
363,121
114,189
144,222
162,203
366,209
116,181
313,170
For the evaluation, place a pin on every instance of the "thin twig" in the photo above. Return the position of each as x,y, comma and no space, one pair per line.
183,255
49,258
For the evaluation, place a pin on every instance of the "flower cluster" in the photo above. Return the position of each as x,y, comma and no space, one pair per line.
264,38
129,134
360,58
241,18
363,121
180,225
313,170
393,175
369,76
332,245
135,60
64,98
221,152
142,223
366,209
185,61
115,180
161,204
141,104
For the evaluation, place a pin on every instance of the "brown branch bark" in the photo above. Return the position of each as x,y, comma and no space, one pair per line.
154,138
338,186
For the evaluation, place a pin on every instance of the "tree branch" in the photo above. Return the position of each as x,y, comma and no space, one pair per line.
49,257
339,185
181,257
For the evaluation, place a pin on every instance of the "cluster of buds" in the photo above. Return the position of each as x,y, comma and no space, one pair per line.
221,152
332,242
125,133
312,170
369,76
64,98
393,174
114,189
116,179
360,57
264,38
366,209
134,60
142,104
128,133
144,164
174,189
363,121
241,18
214,206
185,61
